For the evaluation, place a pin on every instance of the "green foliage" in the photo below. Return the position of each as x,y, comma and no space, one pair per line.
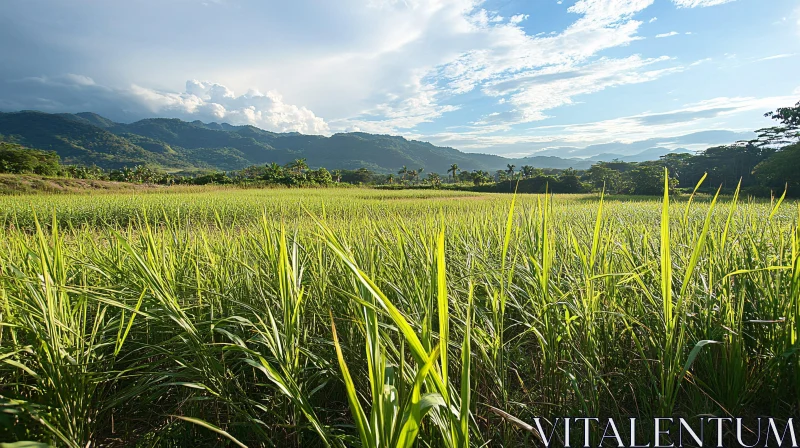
204,318
357,177
77,141
646,180
787,133
602,177
17,159
781,170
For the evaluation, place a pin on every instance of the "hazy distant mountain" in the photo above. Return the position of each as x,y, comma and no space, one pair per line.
647,154
653,147
88,138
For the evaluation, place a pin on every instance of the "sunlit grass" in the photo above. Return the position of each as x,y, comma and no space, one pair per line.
207,317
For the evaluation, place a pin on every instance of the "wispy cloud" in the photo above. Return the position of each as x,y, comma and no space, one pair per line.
777,56
699,3
670,34
691,117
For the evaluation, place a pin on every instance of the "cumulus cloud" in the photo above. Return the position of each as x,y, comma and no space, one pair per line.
206,101
699,3
518,18
211,101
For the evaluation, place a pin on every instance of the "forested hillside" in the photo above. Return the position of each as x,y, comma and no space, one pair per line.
173,144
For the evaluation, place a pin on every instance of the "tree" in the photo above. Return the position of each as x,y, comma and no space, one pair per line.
568,182
647,180
403,172
510,172
274,173
529,171
434,179
726,165
18,159
480,177
390,178
454,170
337,175
787,133
599,176
679,165
320,176
298,166
359,176
780,170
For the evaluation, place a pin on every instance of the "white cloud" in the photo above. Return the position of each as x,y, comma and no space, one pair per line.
206,101
721,113
533,92
691,117
776,56
418,104
209,101
652,20
518,18
700,61
472,51
699,3
671,33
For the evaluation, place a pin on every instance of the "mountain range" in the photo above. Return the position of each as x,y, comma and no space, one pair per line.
90,139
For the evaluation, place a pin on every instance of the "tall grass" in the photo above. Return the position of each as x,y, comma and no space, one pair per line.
367,318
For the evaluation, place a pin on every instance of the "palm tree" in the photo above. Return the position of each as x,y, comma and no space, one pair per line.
510,172
527,171
412,174
337,174
403,171
480,177
298,165
453,169
390,178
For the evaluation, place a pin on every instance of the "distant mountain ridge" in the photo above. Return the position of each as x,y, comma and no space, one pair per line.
87,138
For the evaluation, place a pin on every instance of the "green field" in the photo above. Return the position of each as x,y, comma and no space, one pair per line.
205,318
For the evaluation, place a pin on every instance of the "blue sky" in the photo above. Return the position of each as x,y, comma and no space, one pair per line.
508,77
